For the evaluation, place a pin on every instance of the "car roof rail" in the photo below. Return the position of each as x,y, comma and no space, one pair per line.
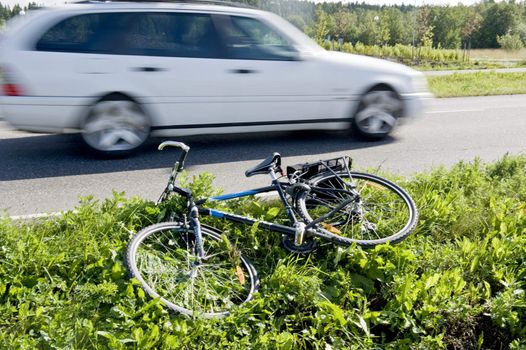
206,2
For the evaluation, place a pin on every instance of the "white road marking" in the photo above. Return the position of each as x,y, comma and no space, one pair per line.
35,216
262,196
455,111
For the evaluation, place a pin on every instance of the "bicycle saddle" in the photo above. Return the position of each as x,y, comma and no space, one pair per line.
272,161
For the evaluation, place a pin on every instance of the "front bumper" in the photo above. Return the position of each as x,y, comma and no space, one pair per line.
415,104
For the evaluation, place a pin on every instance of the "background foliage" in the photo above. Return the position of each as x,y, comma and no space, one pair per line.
458,282
450,27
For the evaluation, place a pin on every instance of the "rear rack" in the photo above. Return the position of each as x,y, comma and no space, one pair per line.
309,170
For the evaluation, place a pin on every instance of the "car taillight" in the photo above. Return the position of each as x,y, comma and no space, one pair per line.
9,85
12,89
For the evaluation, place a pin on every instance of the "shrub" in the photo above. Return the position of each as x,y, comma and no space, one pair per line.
510,42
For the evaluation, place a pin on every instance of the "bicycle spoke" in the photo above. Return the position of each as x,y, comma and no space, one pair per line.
166,261
378,209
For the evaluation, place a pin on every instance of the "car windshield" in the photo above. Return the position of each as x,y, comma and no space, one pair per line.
296,35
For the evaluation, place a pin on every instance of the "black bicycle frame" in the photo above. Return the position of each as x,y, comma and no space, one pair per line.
276,186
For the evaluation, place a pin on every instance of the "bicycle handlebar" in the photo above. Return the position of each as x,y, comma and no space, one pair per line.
180,145
179,165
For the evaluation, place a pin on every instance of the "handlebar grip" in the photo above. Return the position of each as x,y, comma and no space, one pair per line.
174,144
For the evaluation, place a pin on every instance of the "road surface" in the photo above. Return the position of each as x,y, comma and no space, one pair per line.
48,173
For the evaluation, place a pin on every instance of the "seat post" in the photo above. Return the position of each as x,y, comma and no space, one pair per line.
283,196
272,174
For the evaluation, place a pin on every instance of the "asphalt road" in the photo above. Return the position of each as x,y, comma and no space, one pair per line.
48,173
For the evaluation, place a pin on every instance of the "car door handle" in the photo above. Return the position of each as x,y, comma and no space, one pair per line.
243,71
148,69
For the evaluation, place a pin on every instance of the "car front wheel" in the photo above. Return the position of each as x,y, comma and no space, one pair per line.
115,127
377,114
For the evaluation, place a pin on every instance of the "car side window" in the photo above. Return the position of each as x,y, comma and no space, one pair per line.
171,34
249,38
135,33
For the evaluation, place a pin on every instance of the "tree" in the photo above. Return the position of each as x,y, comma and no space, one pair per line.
424,28
472,23
447,26
322,27
341,24
399,31
383,34
498,19
298,21
368,28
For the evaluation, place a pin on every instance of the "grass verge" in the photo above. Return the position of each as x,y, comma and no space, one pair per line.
458,282
477,84
498,55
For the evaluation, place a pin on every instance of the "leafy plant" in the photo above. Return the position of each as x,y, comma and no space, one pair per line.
458,282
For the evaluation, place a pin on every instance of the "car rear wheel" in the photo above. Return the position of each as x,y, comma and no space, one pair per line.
377,114
115,126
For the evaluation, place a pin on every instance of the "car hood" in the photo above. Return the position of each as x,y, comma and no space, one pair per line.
366,63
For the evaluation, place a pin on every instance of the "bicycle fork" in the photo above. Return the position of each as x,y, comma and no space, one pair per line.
198,236
192,222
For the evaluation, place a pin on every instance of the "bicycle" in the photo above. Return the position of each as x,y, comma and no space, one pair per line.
195,270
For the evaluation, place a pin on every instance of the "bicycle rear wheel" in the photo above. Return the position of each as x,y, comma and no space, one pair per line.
163,258
380,211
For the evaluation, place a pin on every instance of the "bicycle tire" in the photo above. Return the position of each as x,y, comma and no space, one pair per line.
367,222
162,258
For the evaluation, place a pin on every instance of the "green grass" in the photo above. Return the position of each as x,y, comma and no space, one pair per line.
458,282
477,84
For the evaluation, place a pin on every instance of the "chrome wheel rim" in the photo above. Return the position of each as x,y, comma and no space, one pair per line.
378,113
116,126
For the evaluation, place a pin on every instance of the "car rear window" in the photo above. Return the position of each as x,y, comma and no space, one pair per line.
84,33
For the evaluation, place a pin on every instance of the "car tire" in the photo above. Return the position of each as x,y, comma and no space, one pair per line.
377,114
115,126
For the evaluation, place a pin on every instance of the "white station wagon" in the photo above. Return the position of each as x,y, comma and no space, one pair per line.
120,71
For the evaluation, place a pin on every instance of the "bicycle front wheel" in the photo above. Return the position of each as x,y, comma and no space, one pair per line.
378,211
163,258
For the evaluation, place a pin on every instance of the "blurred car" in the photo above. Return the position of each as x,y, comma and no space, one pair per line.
121,71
